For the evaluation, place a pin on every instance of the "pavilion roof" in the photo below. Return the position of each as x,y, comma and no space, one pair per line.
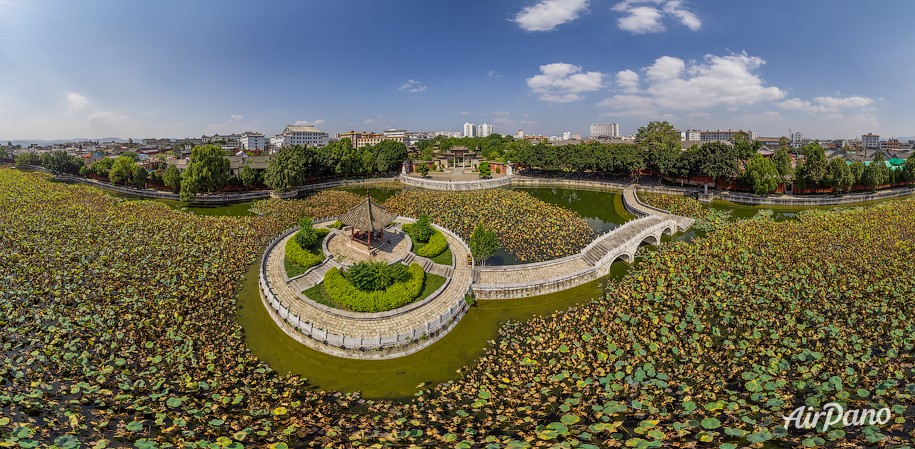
368,215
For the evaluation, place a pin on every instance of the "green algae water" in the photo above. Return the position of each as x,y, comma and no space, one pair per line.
398,378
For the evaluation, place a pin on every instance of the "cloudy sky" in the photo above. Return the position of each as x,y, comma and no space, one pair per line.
826,68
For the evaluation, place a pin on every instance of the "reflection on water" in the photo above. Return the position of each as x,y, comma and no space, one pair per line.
399,377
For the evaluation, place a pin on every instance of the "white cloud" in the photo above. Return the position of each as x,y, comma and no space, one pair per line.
648,16
627,81
76,101
548,14
308,122
826,105
413,86
465,112
673,84
235,117
562,83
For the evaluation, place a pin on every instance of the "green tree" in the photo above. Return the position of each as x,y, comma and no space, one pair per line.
208,170
663,159
307,235
659,135
172,178
813,171
762,175
389,154
422,230
839,176
485,170
138,177
289,167
877,173
101,167
423,169
908,170
122,170
483,243
718,160
249,176
782,161
27,159
60,162
857,171
4,154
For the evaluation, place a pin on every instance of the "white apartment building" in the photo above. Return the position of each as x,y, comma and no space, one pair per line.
567,135
870,140
300,135
711,136
470,130
252,141
690,135
226,141
485,130
520,134
604,130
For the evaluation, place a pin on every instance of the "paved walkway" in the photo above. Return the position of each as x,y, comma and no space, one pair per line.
637,207
367,325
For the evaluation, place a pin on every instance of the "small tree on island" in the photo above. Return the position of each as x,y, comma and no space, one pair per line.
483,243
423,170
306,237
422,230
485,170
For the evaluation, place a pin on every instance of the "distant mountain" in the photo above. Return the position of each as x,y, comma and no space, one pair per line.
43,143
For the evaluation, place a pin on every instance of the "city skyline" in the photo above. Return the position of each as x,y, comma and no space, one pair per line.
109,69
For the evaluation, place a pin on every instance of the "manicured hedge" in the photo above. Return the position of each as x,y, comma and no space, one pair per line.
437,244
304,257
399,294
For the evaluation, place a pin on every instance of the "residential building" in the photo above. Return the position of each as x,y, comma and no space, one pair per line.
520,134
470,130
691,135
362,139
566,135
711,136
604,130
484,130
870,140
227,141
300,135
251,141
398,135
894,144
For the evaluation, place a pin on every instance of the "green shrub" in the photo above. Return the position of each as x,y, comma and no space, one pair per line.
344,293
437,244
373,276
303,257
422,230
307,235
336,225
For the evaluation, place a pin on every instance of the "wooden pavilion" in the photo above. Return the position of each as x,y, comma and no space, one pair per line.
367,222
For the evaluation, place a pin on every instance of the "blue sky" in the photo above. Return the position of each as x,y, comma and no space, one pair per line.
826,68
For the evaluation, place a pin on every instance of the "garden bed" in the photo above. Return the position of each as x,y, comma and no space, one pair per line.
319,294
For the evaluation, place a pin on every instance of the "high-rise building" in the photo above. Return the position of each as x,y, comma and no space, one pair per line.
520,134
870,140
604,130
711,136
566,135
470,130
484,130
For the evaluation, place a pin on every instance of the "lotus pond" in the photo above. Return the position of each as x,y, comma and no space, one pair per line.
119,329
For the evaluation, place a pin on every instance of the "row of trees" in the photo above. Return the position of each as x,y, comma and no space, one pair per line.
292,166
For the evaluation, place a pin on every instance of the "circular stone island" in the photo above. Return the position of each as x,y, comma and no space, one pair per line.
363,335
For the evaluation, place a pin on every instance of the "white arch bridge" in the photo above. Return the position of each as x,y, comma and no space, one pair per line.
593,262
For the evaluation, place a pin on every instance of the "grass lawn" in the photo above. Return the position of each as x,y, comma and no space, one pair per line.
319,295
293,270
